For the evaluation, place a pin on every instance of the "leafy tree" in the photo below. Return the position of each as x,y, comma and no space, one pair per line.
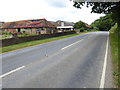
79,25
102,7
104,23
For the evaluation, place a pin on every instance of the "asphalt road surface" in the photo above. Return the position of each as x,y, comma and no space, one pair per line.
81,61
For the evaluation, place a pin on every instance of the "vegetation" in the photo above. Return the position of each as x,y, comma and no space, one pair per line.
25,34
31,43
80,26
6,34
104,23
35,42
115,48
102,7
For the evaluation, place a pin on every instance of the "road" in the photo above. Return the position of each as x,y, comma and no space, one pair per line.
81,61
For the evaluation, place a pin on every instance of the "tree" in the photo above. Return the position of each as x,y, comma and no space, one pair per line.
79,25
104,23
102,7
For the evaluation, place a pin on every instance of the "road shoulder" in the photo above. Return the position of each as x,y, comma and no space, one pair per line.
109,70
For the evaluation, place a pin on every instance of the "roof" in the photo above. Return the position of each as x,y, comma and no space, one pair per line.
88,25
33,23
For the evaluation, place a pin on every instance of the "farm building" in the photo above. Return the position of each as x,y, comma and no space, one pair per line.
88,26
33,26
63,25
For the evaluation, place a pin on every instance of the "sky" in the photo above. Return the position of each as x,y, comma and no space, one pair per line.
52,10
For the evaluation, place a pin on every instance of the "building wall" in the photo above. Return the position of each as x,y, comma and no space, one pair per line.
37,30
33,30
28,30
48,30
11,30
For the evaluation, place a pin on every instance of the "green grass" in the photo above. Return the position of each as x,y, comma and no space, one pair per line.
31,43
35,42
114,49
6,34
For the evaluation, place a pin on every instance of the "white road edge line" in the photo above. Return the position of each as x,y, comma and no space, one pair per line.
1,76
102,82
71,44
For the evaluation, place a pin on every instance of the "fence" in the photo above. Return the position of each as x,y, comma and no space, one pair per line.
11,41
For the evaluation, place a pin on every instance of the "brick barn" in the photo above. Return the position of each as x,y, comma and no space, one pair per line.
33,26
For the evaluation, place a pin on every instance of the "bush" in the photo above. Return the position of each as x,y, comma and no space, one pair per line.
82,29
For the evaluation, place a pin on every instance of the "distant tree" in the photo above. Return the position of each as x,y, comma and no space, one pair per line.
79,25
104,23
102,7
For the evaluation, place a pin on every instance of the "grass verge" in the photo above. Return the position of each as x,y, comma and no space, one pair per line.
114,48
31,43
35,42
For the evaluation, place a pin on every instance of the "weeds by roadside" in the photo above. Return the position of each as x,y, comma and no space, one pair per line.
114,49
6,34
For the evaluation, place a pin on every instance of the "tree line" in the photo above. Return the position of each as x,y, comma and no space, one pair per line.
111,9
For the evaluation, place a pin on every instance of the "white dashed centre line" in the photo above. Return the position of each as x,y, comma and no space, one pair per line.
1,76
71,44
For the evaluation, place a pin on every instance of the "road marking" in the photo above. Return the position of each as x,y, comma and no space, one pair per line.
102,82
11,72
71,44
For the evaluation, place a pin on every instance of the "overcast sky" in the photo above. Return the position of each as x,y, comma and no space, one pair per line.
52,10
